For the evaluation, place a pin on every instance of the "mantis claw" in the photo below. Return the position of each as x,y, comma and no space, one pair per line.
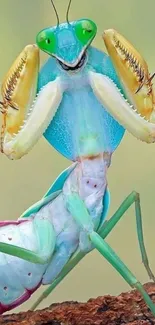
26,114
18,92
149,80
136,81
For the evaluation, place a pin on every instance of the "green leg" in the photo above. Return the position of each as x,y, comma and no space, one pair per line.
46,242
116,262
68,267
78,210
103,232
133,197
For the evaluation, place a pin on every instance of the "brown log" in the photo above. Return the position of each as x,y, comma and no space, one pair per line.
127,308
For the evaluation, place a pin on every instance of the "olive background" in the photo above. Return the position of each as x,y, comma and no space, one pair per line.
23,182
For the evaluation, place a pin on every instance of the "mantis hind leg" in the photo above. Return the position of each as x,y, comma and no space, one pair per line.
74,260
116,262
79,212
133,197
63,260
103,232
46,244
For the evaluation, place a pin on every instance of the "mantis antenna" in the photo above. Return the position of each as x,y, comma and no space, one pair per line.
58,21
67,13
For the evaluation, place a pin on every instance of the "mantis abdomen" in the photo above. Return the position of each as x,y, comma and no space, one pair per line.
20,278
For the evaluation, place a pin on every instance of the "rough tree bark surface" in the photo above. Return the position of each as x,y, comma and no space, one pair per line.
127,308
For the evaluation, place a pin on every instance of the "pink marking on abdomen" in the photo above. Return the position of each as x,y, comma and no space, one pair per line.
14,222
20,300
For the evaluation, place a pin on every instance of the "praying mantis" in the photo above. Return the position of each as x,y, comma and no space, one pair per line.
82,101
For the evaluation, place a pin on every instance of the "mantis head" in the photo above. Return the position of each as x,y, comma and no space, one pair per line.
68,42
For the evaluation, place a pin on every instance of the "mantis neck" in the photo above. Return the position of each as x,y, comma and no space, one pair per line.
92,177
89,180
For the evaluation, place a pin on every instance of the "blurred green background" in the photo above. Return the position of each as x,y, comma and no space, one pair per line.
23,182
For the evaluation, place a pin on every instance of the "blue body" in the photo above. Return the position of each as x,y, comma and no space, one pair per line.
80,114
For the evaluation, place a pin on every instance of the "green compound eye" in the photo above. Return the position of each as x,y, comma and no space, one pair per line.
85,31
46,41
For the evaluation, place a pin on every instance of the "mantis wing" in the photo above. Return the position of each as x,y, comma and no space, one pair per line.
54,190
59,182
38,205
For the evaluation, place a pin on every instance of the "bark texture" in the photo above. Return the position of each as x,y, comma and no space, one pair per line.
127,308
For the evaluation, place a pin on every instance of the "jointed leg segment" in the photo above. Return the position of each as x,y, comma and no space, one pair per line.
46,242
78,210
133,197
108,252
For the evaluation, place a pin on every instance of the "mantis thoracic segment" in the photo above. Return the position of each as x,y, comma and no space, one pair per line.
133,198
82,105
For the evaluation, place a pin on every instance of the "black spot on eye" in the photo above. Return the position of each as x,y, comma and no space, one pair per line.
48,41
95,185
85,31
29,274
87,182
